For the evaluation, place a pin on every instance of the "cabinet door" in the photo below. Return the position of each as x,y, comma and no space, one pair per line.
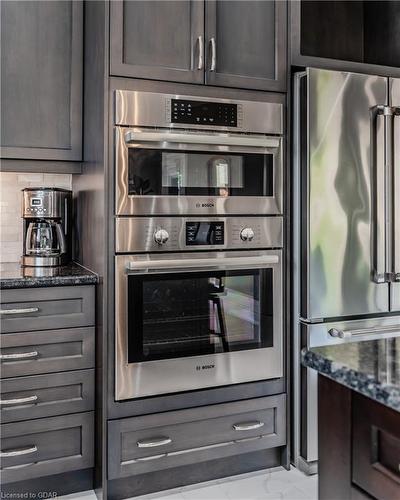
161,40
41,80
246,44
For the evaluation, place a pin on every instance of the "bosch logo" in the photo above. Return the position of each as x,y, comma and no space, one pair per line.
205,205
204,367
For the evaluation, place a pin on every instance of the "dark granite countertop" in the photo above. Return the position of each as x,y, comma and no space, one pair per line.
371,367
12,275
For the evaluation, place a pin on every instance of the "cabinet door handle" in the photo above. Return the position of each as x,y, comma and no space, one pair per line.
213,65
17,453
18,401
200,45
19,355
248,426
153,442
10,312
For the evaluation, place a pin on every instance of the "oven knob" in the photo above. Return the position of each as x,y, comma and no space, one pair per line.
247,234
161,236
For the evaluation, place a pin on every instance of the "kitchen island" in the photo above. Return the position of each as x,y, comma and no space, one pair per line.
359,418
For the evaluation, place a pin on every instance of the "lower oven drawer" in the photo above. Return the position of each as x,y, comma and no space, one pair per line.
154,442
46,446
32,353
39,396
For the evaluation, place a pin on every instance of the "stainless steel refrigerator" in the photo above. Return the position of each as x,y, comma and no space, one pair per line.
346,230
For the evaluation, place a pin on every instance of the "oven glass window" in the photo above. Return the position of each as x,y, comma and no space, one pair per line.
159,172
191,314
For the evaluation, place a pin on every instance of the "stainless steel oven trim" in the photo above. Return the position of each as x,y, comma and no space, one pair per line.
136,234
134,380
126,204
151,109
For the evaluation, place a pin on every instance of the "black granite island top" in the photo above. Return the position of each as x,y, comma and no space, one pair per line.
12,275
371,367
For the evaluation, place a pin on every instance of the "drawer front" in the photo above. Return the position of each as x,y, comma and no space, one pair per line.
155,442
46,308
46,446
39,396
31,353
376,448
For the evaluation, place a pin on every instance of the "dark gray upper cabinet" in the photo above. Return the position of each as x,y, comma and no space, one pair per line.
359,36
246,44
161,40
226,43
41,80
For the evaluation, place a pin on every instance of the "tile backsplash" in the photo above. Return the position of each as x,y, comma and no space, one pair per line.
10,207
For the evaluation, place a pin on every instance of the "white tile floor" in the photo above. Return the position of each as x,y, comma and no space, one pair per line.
278,484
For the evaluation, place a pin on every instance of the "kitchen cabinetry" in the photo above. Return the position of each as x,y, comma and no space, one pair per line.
151,443
359,36
47,390
359,445
227,43
158,40
41,80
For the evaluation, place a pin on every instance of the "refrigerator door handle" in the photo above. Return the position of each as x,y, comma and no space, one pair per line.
396,194
385,151
378,191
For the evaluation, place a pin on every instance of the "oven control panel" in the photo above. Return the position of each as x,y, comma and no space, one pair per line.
205,233
204,113
171,234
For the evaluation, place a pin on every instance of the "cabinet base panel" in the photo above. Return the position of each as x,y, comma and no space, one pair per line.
195,473
49,486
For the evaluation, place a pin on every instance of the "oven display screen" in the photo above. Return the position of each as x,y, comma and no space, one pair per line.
36,202
204,233
203,113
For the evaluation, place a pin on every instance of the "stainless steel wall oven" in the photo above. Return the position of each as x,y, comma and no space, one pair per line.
197,319
198,265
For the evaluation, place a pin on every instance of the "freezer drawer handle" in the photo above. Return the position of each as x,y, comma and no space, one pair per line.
153,442
17,453
19,355
371,332
18,401
10,312
248,426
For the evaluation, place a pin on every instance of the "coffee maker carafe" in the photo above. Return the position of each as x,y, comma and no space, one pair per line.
47,226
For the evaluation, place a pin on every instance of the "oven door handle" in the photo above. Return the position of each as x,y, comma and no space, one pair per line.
184,138
225,262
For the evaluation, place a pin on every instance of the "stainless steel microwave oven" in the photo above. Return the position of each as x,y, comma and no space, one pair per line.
179,155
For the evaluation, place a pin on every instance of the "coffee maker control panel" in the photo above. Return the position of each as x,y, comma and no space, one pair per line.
45,202
36,207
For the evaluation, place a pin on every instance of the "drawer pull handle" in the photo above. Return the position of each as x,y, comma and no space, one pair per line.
248,426
18,401
9,312
17,453
19,355
153,442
